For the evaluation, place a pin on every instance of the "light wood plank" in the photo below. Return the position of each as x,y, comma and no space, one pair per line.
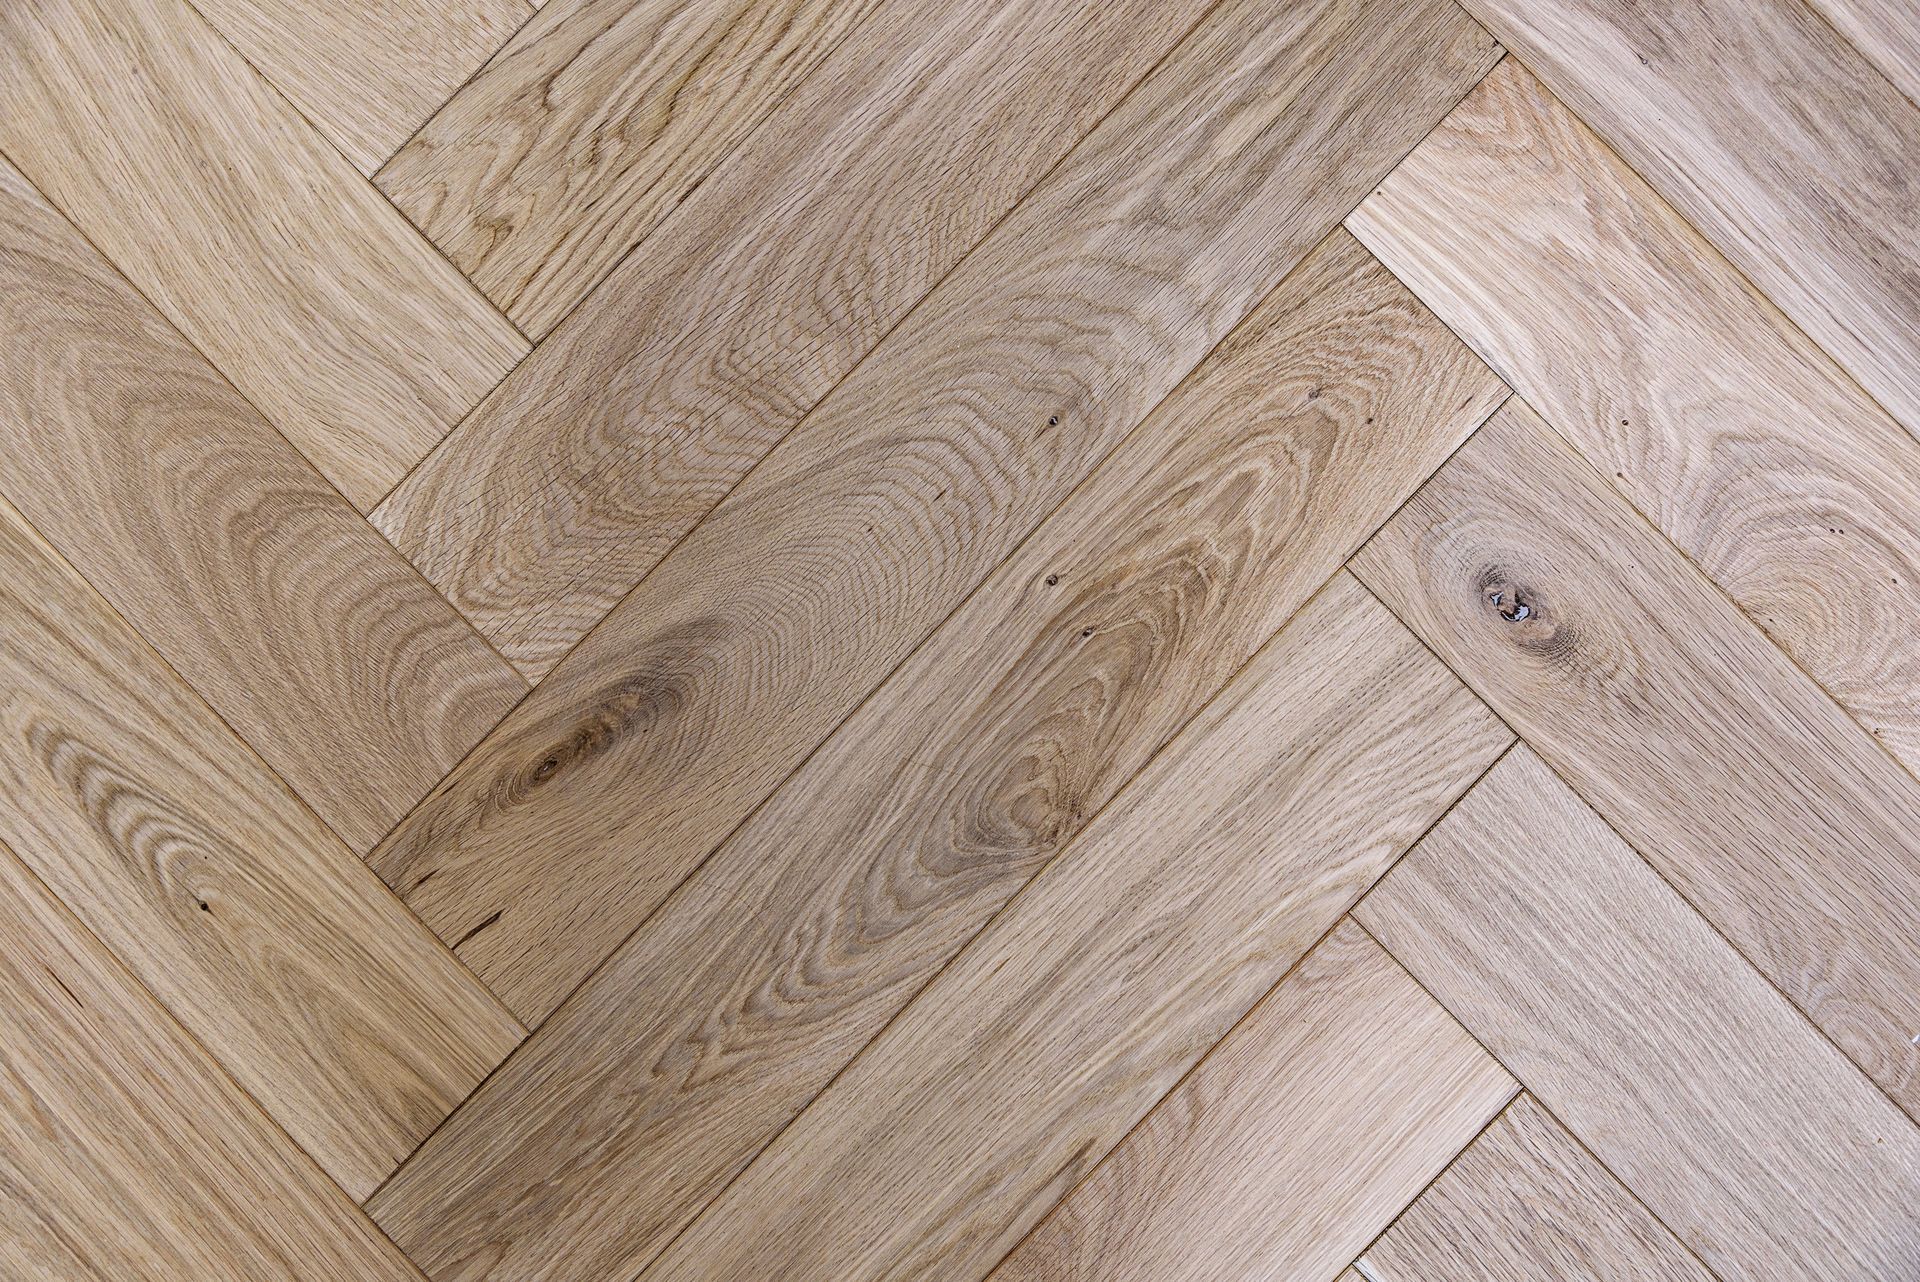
265,936
1032,1055
251,233
270,595
1726,426
1773,136
367,74
1292,1145
1526,1203
1886,31
1683,1069
1757,796
125,1153
923,471
968,769
595,123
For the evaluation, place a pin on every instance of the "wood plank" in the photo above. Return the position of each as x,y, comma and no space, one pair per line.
367,75
125,1153
595,123
1725,425
969,768
265,936
922,472
1041,1046
1773,136
1292,1145
270,252
270,595
1886,31
1742,782
1673,1059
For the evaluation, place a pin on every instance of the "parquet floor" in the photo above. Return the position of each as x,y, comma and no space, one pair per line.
1046,640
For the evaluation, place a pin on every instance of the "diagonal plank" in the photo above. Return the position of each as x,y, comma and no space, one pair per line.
366,75
1737,437
1886,31
250,233
1775,137
1525,1203
1689,1075
968,769
266,937
125,1153
271,596
1742,782
1294,1143
592,126
1035,1053
760,633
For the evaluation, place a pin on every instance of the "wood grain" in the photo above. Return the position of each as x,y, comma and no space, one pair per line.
1686,1072
270,252
823,571
1292,1145
125,1153
1742,782
1526,1203
1771,134
1726,426
276,947
1886,31
1037,1050
957,780
595,123
270,595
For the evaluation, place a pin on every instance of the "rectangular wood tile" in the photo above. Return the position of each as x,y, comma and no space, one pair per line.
970,767
269,251
1041,1046
1741,781
1292,1144
1688,1074
275,600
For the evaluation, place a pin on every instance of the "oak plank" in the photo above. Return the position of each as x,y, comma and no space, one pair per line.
597,121
830,563
1740,780
958,779
1034,1053
266,591
1689,1075
1526,1203
1886,31
267,249
1775,137
125,1153
275,947
1735,435
1292,1144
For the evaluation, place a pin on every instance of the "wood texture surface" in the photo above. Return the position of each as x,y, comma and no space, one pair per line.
269,594
1620,1008
1886,31
594,124
251,234
1291,1146
1129,956
968,769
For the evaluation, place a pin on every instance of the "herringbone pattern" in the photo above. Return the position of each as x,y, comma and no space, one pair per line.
1035,640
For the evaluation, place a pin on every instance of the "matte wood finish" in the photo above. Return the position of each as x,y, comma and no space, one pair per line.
252,577
278,950
1622,1010
822,571
1886,31
593,125
1041,1046
1297,1139
251,233
1735,435
971,766
1775,814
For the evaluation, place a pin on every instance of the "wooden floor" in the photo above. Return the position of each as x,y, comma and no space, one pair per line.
1043,640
